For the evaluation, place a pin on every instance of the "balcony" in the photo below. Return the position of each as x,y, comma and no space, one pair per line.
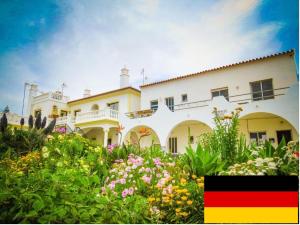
95,115
241,99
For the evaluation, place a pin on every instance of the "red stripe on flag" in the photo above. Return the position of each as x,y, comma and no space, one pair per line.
250,199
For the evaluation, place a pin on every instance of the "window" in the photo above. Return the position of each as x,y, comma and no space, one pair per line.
258,137
184,98
173,145
76,112
262,90
63,113
113,106
170,103
220,92
36,112
192,141
154,105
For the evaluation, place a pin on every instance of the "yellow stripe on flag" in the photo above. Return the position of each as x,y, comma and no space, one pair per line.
250,215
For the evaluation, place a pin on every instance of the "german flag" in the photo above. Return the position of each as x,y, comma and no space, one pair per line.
251,199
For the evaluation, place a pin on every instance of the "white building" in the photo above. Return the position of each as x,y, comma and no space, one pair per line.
266,88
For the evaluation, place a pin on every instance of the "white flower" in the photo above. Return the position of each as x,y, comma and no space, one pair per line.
46,154
272,165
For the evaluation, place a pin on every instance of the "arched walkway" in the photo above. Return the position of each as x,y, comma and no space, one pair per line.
135,134
97,135
186,132
261,126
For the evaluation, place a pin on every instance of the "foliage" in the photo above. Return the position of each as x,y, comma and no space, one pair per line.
21,141
201,162
62,184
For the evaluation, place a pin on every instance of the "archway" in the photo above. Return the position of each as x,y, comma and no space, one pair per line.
260,126
135,134
184,133
95,134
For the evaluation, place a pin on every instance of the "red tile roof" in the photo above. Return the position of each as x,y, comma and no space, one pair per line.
291,51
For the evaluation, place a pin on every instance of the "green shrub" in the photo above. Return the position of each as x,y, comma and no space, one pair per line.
202,162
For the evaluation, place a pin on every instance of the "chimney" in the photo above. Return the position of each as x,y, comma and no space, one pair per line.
86,93
33,91
124,78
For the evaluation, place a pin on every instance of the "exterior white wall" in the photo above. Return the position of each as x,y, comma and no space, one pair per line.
181,133
237,78
269,125
281,69
102,103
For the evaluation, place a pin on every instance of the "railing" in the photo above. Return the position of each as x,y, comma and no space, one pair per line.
248,97
191,105
97,115
140,113
58,96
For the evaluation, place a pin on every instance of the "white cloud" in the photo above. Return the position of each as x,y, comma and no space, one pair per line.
165,38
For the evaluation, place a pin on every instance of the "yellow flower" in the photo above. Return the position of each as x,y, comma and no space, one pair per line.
178,210
189,202
183,181
183,198
184,190
201,185
184,214
194,176
151,199
178,202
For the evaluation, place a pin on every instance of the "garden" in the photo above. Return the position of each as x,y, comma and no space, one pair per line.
49,177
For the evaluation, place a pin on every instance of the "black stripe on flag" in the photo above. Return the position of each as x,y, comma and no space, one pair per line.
251,183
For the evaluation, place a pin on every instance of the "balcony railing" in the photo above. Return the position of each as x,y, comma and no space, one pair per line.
97,115
140,113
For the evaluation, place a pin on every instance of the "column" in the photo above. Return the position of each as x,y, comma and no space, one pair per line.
106,130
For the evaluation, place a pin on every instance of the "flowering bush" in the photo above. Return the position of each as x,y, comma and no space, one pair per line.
166,187
71,180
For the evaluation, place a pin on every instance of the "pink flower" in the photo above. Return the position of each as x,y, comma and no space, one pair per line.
148,170
124,193
157,161
112,185
130,191
122,181
146,179
111,147
103,190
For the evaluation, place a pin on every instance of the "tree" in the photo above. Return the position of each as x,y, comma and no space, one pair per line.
6,109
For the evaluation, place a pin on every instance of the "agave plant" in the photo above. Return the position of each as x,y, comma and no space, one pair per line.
30,122
44,122
3,124
38,121
202,162
50,127
22,121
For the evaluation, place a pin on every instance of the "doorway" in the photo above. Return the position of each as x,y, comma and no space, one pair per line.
287,134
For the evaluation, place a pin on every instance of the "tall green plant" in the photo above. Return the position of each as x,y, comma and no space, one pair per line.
201,162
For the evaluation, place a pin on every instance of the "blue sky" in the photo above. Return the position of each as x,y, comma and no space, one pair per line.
86,43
